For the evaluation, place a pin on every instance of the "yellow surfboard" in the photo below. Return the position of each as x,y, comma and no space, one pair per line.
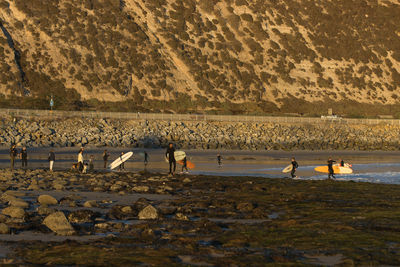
324,169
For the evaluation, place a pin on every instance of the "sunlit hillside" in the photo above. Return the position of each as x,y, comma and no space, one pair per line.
200,54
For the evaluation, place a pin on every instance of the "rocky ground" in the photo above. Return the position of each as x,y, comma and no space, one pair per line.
66,218
198,135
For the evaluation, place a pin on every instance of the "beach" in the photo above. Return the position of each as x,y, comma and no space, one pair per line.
151,219
369,166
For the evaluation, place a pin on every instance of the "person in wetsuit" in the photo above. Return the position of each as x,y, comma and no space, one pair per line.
105,158
219,159
184,166
330,168
52,158
341,163
295,165
24,157
146,159
13,154
122,165
171,158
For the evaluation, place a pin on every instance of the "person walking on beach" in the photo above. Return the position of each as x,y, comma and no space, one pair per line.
219,159
52,158
91,164
13,154
24,157
184,166
330,169
171,158
80,160
105,158
295,165
146,159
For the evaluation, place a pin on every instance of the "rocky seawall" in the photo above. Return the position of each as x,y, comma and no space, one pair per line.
198,135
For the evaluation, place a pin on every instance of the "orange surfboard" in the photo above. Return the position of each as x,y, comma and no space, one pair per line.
189,164
336,169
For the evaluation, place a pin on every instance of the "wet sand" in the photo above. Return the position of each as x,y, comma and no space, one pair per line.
269,164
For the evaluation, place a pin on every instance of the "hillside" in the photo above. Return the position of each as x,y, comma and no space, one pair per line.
250,55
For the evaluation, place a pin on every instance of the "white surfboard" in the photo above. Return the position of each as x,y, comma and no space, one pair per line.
179,155
288,169
345,170
120,160
347,165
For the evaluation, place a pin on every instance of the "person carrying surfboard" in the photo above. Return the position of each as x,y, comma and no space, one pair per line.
330,169
295,165
171,158
80,160
122,165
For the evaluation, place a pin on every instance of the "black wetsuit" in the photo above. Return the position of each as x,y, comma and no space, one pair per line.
122,165
294,167
52,156
219,158
330,169
184,166
342,163
171,159
91,165
24,158
13,154
146,158
105,159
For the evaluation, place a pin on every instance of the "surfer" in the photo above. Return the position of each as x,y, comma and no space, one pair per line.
330,168
105,158
171,158
80,160
295,165
184,166
146,159
91,164
52,158
13,154
219,159
24,157
341,163
122,165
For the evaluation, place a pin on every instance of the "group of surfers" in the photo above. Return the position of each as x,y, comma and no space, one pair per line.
83,167
330,163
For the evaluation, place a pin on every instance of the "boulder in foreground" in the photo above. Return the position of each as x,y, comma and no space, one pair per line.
4,229
148,213
47,200
58,223
14,212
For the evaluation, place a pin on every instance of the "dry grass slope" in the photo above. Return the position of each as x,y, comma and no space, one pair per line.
212,54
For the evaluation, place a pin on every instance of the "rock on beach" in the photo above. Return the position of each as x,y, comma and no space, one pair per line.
58,223
148,213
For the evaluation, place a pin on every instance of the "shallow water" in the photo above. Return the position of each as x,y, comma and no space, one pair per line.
369,166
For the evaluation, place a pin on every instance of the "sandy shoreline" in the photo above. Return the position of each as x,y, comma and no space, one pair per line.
369,166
